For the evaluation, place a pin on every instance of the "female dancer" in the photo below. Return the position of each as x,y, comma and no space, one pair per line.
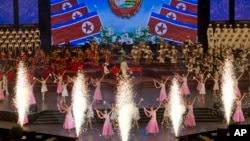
236,86
97,84
216,84
200,76
136,115
44,86
107,130
238,115
162,85
184,87
114,115
90,114
189,119
32,97
202,90
1,91
152,126
69,120
165,119
64,91
59,89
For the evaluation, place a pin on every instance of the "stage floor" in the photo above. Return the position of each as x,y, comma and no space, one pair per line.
148,94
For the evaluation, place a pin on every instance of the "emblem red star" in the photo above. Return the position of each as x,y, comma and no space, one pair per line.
87,27
161,28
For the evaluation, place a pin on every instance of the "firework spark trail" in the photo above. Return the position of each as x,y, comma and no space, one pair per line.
228,92
177,108
79,101
125,107
23,93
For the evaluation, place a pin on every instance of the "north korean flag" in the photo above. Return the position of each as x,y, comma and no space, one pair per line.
185,5
85,26
178,15
62,5
167,28
69,14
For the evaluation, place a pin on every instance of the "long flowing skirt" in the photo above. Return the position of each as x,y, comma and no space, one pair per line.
152,127
190,120
59,89
238,115
185,90
98,94
69,122
1,95
107,130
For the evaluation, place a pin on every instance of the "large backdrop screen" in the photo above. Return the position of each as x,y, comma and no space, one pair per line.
242,10
124,21
28,11
6,12
219,10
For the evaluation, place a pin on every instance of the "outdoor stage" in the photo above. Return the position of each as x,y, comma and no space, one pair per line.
144,88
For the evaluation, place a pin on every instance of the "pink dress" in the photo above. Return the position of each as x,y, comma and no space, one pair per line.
198,88
236,89
32,97
163,94
238,114
97,93
69,120
152,126
189,119
59,86
184,87
107,129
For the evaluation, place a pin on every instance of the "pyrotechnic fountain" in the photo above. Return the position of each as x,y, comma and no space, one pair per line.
227,87
125,107
79,101
177,108
22,93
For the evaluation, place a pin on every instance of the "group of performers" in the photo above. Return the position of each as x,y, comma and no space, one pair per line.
56,66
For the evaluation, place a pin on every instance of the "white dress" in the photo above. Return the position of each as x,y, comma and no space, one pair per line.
113,115
90,112
136,115
202,90
44,87
65,91
216,85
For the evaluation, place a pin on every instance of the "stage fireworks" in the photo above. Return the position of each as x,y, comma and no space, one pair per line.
177,108
22,93
228,92
125,107
79,101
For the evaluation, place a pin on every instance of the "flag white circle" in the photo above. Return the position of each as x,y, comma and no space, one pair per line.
181,6
87,27
76,15
66,5
161,28
171,15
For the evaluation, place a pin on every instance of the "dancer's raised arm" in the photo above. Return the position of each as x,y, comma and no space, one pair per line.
166,80
156,82
240,76
243,96
159,106
194,100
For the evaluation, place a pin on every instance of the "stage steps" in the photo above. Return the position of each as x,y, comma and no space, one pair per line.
50,117
205,115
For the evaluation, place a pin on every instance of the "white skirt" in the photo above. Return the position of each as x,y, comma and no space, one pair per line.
44,88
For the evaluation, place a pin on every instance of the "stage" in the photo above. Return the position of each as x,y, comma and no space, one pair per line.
144,88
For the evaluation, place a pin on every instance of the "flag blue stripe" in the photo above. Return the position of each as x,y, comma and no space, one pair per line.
177,23
74,21
56,2
179,11
68,10
190,2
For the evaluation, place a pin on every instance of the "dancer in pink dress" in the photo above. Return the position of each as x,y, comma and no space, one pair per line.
97,84
1,91
238,115
44,86
236,87
32,97
162,85
59,77
189,119
184,87
200,77
69,120
152,126
107,130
